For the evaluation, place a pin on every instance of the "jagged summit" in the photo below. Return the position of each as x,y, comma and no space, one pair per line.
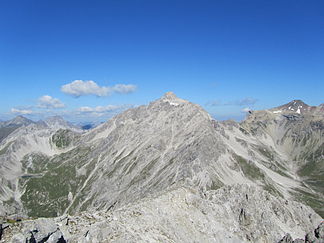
296,103
54,118
58,122
20,120
170,95
294,106
172,99
7,127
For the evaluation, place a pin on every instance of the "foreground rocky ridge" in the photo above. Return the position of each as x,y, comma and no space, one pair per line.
238,213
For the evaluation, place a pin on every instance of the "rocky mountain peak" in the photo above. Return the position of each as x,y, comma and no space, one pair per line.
172,99
295,106
55,119
153,153
170,95
20,120
297,103
57,122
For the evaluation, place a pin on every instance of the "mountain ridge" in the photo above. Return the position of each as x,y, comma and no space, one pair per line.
170,143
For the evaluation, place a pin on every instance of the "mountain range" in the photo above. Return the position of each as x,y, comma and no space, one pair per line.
166,163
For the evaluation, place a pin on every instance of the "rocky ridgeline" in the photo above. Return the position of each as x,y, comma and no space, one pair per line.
316,236
239,213
165,172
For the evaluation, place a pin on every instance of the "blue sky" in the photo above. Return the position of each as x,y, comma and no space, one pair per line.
224,55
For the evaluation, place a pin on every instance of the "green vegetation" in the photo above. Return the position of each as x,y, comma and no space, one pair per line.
249,169
312,200
9,202
4,150
35,163
266,153
145,172
243,131
272,163
313,175
282,173
11,221
47,196
216,184
252,172
81,198
272,190
62,138
313,170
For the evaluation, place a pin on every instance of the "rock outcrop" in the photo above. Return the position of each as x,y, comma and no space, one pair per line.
181,215
316,236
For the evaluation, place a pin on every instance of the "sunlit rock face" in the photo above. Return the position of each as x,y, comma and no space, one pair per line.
168,147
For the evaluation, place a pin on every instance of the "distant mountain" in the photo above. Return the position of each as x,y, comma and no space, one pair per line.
54,169
17,121
59,122
7,127
299,107
293,138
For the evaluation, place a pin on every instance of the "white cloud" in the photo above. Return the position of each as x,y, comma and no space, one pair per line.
48,102
100,109
78,88
246,109
242,102
21,111
123,88
246,101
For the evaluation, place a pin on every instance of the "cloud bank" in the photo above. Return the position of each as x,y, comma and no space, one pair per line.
246,102
49,102
21,111
99,108
242,102
79,88
100,111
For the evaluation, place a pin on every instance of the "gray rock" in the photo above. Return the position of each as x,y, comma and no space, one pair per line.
319,231
166,166
287,239
310,237
299,241
147,149
18,238
181,214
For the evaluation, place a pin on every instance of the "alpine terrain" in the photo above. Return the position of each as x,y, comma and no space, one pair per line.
165,172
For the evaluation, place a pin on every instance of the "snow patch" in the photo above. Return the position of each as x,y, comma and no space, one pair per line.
173,103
